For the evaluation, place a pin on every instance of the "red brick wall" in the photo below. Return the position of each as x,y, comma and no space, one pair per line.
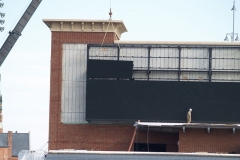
89,136
217,141
57,131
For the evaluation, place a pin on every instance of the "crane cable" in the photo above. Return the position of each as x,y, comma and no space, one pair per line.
110,21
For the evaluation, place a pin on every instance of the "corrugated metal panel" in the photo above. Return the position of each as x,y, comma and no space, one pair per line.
163,76
195,52
137,55
76,117
193,58
225,77
194,76
195,63
106,53
225,59
164,58
74,64
140,75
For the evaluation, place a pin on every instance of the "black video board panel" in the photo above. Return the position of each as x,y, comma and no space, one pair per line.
109,69
163,101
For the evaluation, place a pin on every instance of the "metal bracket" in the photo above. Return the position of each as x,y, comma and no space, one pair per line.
208,129
14,33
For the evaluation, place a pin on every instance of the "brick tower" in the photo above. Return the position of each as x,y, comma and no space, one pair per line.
67,126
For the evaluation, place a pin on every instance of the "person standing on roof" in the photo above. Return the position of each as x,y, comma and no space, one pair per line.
189,116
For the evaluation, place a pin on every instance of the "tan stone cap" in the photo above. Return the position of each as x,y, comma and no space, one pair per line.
192,154
180,43
86,25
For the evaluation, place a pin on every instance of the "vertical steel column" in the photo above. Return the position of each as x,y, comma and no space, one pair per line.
88,47
179,62
210,65
148,71
118,53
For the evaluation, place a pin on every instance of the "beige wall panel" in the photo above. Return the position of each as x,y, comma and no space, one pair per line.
74,65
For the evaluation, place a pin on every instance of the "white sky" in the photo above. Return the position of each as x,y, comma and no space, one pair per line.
26,71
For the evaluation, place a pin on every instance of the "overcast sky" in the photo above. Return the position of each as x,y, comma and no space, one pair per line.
26,71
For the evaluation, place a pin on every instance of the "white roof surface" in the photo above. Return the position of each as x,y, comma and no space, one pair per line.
187,125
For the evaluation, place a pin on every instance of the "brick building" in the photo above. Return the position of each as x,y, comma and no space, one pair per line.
11,143
77,120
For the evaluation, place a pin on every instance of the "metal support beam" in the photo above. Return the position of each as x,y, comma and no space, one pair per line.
165,46
133,137
208,129
148,71
234,130
183,128
118,53
88,48
210,65
179,62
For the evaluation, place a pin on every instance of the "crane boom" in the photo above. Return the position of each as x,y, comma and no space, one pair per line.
16,32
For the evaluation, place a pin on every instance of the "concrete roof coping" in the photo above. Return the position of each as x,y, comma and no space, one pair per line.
180,43
81,20
142,153
86,25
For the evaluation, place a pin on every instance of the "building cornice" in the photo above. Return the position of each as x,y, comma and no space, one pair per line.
81,25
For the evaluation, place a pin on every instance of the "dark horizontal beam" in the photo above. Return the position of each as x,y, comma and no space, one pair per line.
157,46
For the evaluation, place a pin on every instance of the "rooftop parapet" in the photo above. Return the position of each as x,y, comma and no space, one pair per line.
80,25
